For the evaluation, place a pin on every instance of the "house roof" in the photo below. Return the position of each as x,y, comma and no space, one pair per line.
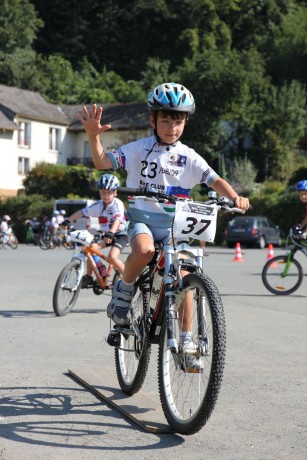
120,116
5,123
28,104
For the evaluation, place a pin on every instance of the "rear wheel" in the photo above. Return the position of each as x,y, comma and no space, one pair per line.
67,288
282,276
188,396
132,356
13,241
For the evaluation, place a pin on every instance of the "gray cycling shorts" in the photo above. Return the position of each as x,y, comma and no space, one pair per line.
156,233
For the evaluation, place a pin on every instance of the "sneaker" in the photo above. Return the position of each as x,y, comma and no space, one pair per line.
86,281
191,363
119,307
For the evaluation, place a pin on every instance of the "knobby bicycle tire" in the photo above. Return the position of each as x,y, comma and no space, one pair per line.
188,398
131,357
276,283
66,292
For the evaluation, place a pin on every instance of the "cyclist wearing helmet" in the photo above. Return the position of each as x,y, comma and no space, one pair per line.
301,187
161,163
4,226
111,216
61,216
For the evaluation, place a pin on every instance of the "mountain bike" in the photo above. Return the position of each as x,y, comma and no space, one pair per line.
157,312
68,284
8,239
283,274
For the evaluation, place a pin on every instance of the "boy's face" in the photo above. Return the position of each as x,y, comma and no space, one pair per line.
168,129
303,196
107,196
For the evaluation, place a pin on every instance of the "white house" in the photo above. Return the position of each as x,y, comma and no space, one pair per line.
33,131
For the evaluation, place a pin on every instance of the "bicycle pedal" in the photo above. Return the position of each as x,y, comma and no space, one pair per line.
113,339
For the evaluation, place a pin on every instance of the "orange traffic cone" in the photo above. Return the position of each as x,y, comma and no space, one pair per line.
271,254
238,255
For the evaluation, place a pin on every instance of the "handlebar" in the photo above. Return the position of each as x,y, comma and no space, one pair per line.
67,226
223,202
144,191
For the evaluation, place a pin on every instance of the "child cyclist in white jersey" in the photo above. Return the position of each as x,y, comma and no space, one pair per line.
161,163
111,217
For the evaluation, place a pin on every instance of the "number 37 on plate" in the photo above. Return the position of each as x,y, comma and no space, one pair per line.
195,220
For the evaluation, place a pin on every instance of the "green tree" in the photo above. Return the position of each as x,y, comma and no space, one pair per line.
287,56
59,181
277,132
19,25
242,176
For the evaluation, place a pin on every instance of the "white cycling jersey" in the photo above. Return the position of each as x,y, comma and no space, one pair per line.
173,169
4,227
107,214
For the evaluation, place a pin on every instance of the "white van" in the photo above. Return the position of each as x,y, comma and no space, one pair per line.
71,206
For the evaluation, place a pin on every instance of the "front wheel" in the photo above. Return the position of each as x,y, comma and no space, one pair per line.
188,395
67,288
132,356
282,275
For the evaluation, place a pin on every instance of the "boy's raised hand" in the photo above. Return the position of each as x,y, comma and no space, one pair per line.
91,122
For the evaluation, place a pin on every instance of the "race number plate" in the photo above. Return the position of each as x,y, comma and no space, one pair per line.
82,236
195,220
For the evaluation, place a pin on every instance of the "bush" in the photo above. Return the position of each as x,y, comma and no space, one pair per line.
58,181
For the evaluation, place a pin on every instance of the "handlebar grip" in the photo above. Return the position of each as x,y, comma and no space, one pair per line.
132,191
223,200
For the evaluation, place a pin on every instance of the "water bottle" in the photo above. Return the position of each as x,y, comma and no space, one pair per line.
101,267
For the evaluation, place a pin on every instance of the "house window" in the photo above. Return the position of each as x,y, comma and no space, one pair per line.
24,134
87,150
54,139
23,165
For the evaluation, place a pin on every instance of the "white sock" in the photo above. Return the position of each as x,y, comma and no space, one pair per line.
126,287
185,336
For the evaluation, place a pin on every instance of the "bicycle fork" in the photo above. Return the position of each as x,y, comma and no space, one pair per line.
170,310
287,266
82,259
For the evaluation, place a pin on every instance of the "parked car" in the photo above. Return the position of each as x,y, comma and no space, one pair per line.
252,231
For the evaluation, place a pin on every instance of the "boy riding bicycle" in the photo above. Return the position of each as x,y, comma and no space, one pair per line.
162,163
111,216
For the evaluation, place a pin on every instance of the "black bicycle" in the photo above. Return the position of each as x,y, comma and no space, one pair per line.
283,275
159,310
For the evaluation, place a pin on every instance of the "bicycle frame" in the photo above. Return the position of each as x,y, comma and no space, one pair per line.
292,252
171,280
172,274
87,254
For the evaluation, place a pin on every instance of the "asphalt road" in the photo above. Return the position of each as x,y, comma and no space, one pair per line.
44,414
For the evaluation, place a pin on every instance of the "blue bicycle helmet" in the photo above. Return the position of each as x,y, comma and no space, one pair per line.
107,182
301,185
171,97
